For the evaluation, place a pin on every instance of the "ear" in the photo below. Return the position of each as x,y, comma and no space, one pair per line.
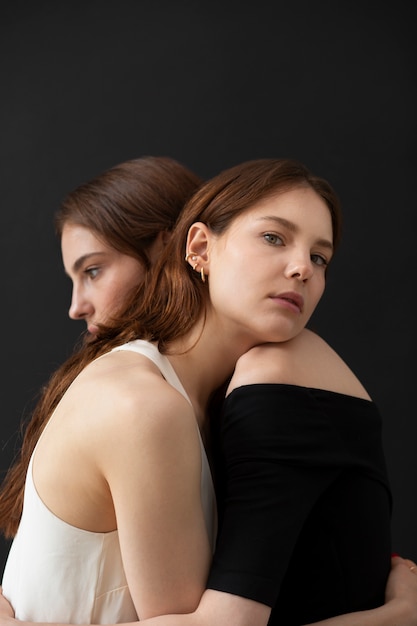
198,242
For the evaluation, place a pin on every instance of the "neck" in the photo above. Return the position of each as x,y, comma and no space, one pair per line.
204,359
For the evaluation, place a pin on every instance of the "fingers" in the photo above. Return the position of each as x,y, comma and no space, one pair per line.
412,565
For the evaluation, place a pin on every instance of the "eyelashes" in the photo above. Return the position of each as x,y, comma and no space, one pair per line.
319,260
91,272
278,240
273,239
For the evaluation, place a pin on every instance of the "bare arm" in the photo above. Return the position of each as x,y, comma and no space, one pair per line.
136,467
222,609
154,474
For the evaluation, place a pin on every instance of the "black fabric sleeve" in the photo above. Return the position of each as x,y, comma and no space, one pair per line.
292,462
270,480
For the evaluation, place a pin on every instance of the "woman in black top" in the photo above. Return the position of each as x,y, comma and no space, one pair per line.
304,497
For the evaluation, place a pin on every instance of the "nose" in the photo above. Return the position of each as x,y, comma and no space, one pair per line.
80,306
300,268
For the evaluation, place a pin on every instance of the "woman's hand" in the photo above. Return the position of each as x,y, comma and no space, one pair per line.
400,607
402,588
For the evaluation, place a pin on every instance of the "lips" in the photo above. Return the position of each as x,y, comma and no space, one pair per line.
293,298
92,329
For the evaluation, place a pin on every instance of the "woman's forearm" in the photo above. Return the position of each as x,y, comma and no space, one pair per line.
217,608
241,612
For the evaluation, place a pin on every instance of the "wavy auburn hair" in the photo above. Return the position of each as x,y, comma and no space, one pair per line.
128,205
173,298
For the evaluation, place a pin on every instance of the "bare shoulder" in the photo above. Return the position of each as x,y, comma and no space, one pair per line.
124,395
120,424
307,360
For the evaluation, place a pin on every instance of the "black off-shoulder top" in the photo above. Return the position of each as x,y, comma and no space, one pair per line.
304,502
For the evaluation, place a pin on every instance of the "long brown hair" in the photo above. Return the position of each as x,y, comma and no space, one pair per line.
128,205
173,298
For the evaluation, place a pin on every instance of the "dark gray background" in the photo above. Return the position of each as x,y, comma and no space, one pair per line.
85,85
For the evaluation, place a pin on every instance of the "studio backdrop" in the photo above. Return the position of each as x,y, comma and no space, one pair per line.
86,85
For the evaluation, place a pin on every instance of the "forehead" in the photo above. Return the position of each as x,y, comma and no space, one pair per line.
76,240
301,206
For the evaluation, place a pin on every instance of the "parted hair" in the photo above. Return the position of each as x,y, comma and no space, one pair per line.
173,298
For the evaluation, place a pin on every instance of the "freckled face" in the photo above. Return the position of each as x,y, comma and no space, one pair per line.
101,276
267,271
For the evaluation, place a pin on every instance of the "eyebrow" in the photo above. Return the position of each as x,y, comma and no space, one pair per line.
82,259
294,229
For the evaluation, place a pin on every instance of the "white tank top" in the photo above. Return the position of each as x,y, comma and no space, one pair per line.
56,572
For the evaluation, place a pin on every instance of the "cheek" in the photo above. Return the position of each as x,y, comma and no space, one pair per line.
128,277
107,301
116,292
223,288
124,289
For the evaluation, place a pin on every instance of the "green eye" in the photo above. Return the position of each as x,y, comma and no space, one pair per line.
92,272
273,239
318,259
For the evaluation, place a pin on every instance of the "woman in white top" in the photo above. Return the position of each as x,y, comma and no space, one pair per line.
112,229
